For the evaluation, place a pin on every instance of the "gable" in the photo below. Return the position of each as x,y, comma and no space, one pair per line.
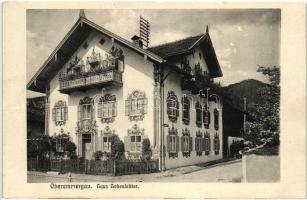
68,46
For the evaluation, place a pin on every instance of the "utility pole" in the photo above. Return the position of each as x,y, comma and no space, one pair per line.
244,120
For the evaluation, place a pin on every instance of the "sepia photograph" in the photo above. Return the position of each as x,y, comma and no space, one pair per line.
153,95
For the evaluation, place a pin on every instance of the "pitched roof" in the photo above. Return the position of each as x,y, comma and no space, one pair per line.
70,43
176,47
185,45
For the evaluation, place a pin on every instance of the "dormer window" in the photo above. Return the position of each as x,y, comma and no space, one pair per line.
59,113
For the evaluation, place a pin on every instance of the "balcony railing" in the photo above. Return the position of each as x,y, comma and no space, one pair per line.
99,77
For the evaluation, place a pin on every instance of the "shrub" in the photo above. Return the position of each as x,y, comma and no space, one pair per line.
146,149
117,148
97,155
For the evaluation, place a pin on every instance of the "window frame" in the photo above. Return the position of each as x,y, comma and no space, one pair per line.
172,106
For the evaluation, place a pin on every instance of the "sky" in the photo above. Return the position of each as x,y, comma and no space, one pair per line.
243,39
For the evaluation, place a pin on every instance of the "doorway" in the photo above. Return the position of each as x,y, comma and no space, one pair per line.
87,150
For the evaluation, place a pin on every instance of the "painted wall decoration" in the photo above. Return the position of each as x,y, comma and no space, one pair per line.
60,113
136,105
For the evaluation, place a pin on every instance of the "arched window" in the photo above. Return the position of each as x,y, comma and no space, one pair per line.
185,110
86,113
198,108
136,105
60,113
172,106
216,119
206,116
216,144
107,108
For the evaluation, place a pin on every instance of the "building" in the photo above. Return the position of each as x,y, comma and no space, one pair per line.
98,84
35,116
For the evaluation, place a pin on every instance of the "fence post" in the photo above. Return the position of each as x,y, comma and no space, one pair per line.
114,167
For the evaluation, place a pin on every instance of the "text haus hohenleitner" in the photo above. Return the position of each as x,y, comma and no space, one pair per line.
98,84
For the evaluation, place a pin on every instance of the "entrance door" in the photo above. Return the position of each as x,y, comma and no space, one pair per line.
87,146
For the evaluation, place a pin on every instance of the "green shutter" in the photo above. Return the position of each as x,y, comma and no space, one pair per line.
182,144
190,144
114,109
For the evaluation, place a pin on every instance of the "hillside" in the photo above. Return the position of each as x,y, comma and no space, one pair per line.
247,88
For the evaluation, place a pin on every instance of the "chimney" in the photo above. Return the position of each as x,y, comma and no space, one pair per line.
137,41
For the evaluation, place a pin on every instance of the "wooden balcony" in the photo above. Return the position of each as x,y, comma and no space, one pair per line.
95,79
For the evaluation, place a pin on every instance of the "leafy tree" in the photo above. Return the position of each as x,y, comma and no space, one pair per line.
70,149
146,149
39,146
117,148
263,125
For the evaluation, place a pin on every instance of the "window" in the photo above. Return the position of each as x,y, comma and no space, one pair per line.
185,110
135,143
136,105
216,144
198,108
186,143
172,106
106,145
86,113
206,116
60,113
216,119
172,143
107,108
207,143
198,143
106,138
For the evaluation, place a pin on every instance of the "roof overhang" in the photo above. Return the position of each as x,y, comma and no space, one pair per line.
70,43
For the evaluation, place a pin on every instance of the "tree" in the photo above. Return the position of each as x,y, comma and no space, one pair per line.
70,149
263,125
97,155
117,148
146,149
39,146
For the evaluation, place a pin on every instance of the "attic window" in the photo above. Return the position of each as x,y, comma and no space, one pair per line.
85,45
102,41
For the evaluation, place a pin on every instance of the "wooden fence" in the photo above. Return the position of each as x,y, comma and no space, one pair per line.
99,167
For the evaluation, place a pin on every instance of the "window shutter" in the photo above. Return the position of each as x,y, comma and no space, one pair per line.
92,112
190,144
145,102
177,143
196,144
168,105
127,143
182,144
209,144
127,107
79,112
203,144
114,109
65,113
53,114
177,109
99,109
168,140
209,120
